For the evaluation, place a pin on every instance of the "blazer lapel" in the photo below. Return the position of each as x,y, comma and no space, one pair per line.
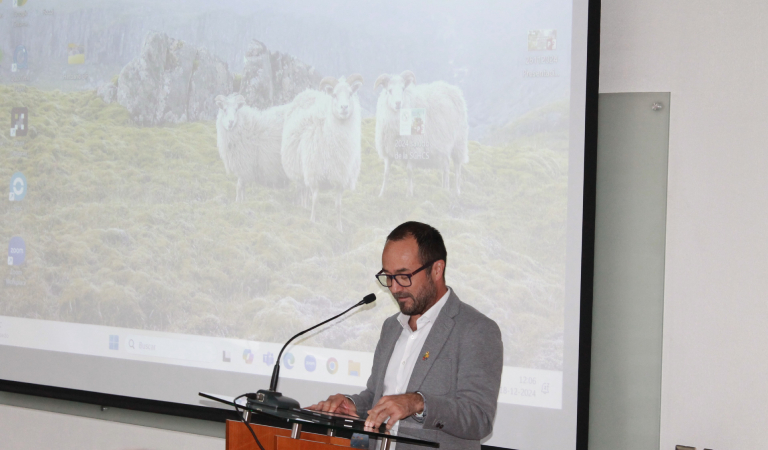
390,339
438,335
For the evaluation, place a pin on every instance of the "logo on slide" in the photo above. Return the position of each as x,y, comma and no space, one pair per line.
268,358
19,121
310,363
17,251
247,356
289,360
332,365
18,187
354,369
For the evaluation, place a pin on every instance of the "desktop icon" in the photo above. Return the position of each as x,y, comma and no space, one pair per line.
17,251
226,356
18,3
332,365
19,121
75,54
354,369
412,121
248,356
289,360
542,40
18,187
310,363
114,342
20,59
268,358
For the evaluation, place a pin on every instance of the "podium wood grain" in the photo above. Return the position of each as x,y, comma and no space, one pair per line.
286,443
239,438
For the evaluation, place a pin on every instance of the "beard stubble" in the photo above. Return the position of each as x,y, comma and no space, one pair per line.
420,300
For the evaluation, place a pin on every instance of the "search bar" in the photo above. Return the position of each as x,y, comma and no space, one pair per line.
184,349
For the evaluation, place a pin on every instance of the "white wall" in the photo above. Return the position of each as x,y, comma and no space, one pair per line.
22,428
712,56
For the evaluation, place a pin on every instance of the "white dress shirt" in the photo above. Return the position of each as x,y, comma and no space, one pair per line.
408,350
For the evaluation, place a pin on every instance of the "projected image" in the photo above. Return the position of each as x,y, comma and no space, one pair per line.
231,169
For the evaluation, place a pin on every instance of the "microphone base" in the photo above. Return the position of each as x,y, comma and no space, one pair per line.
270,399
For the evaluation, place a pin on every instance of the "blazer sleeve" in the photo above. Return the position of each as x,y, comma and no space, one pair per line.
364,400
470,412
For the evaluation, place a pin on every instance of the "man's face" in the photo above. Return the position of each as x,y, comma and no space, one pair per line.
403,257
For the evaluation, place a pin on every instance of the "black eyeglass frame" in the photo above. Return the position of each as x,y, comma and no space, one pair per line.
389,277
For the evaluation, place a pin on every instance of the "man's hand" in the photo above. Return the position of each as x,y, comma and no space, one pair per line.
337,403
394,407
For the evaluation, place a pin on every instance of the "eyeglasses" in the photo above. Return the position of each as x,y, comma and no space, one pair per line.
403,279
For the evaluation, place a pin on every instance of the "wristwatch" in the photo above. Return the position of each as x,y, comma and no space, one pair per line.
423,412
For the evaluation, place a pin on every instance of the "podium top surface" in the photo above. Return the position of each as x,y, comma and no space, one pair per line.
330,421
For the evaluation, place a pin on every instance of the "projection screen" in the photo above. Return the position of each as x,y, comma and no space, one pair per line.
189,183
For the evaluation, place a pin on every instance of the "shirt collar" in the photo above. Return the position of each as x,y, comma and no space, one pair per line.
428,316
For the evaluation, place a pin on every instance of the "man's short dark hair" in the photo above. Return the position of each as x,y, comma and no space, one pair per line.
431,245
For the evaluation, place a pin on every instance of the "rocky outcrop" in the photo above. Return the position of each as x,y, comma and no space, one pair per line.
172,82
273,78
290,77
210,78
107,92
256,83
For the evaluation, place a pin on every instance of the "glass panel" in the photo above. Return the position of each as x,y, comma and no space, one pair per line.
630,222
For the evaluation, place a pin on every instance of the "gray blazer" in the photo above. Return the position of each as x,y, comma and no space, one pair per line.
460,379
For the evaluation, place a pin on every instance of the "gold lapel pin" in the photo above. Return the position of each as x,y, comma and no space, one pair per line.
426,355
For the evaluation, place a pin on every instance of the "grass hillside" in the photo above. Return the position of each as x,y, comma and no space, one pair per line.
137,227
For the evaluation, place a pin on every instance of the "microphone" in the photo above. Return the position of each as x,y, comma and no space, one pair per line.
273,399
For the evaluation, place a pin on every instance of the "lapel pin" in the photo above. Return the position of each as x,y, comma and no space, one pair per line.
425,357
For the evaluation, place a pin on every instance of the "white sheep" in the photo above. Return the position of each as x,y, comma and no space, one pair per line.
444,128
321,139
249,142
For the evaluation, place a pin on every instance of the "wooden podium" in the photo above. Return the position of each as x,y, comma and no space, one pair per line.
272,438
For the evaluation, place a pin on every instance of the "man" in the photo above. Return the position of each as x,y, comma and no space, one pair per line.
437,366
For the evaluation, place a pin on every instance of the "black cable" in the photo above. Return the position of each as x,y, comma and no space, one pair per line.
276,370
242,419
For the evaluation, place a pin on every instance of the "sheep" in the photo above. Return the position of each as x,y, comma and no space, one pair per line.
290,152
321,139
444,129
249,142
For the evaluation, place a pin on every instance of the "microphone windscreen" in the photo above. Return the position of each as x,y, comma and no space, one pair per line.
370,298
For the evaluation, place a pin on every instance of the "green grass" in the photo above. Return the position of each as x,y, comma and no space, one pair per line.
137,227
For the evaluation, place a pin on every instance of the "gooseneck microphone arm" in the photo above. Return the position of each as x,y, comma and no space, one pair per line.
276,370
271,398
